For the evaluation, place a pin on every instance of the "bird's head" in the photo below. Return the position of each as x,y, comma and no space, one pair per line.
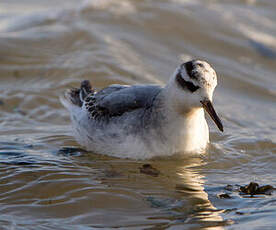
195,83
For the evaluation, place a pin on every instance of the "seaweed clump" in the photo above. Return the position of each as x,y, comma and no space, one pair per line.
255,189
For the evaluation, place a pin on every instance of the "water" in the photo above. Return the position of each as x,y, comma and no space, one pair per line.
48,182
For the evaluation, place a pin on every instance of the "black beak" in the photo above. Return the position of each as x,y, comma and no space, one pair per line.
207,105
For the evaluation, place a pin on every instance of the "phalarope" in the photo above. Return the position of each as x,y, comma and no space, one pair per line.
144,121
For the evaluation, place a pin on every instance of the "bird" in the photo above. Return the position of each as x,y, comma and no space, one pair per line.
145,121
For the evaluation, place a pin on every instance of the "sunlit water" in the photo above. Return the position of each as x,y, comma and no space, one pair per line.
48,182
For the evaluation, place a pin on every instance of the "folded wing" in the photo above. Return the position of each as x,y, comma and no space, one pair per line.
116,100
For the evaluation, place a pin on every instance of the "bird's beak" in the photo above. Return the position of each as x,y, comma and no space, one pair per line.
207,105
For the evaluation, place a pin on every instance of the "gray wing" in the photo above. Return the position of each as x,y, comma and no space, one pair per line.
117,100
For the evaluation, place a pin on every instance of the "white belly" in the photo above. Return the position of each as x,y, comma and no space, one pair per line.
188,134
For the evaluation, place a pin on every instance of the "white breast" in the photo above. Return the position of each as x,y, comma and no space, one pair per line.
188,133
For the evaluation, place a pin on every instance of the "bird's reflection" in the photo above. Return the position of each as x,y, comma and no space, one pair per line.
190,184
176,196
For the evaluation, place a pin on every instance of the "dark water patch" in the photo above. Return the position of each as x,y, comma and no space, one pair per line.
162,202
24,154
263,50
70,151
232,188
9,154
13,156
20,163
14,145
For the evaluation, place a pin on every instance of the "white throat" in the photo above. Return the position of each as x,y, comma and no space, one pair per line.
186,127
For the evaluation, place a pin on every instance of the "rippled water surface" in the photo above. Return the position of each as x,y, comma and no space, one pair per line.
48,182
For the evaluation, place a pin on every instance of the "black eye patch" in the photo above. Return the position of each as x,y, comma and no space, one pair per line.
189,67
186,84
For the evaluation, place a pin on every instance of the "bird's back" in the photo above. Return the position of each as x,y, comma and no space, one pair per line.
111,120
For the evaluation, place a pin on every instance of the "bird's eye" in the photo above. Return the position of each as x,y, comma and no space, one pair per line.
186,84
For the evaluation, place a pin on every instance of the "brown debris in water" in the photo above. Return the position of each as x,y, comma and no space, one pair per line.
254,189
149,170
224,196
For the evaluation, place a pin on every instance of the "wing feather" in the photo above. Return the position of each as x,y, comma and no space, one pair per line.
117,100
